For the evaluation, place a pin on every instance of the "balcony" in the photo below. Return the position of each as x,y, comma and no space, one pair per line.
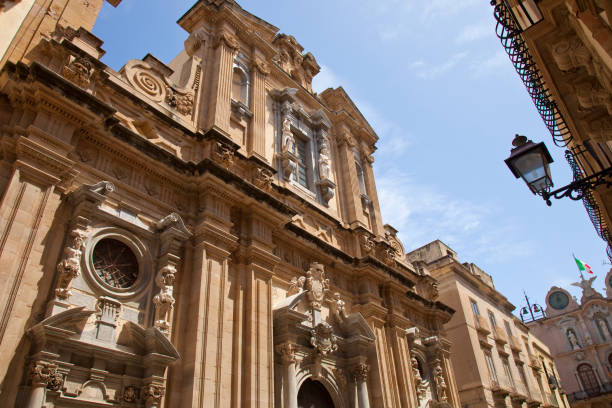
604,389
500,390
534,362
515,344
499,335
481,325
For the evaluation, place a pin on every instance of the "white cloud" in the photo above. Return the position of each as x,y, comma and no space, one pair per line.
475,32
326,78
431,72
422,213
491,64
434,9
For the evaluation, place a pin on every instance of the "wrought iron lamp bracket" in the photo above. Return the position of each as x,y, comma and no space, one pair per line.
576,190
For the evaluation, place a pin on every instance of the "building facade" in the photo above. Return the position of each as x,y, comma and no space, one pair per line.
562,51
202,233
579,334
498,361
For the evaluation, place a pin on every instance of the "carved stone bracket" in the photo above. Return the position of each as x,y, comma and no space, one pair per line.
263,178
130,393
224,155
78,70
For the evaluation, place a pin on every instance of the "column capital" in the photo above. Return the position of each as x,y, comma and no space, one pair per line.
153,393
227,39
287,353
360,372
45,375
261,66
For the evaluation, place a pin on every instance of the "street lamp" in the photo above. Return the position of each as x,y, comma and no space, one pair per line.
530,161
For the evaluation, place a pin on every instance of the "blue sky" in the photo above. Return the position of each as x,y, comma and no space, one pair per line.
436,85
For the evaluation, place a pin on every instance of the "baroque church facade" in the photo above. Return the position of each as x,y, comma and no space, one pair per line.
205,233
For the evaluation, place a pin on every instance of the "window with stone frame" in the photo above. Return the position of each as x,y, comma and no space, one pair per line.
240,85
302,173
491,366
508,372
492,320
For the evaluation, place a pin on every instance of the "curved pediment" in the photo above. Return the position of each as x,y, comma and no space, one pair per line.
146,341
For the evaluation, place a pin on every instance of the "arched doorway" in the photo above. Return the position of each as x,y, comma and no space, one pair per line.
588,379
313,394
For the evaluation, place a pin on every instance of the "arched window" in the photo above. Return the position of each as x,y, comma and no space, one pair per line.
240,86
587,377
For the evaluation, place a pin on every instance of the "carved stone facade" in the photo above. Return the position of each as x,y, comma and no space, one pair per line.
499,361
202,233
579,334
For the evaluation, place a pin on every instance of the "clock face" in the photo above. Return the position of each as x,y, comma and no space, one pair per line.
115,263
558,300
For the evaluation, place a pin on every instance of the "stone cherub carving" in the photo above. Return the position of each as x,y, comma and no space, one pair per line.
164,300
70,266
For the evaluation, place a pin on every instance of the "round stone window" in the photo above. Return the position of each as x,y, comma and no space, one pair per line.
115,263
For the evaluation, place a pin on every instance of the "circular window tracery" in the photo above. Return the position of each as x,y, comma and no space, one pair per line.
115,263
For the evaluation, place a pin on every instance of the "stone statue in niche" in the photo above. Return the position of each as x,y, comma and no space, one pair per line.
419,383
440,382
324,161
70,266
164,300
603,327
573,340
288,139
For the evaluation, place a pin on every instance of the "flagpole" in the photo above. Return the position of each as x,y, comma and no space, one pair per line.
579,271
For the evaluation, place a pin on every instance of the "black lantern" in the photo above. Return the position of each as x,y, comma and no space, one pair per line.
530,161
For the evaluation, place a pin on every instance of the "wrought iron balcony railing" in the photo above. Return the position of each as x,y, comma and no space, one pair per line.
509,30
603,389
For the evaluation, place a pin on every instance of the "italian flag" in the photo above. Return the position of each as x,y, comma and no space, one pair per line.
582,266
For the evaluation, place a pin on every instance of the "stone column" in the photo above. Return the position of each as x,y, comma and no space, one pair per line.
257,143
220,106
360,374
287,352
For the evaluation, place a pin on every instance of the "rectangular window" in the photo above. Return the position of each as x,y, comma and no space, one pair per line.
301,174
508,372
509,332
521,370
490,366
492,320
475,308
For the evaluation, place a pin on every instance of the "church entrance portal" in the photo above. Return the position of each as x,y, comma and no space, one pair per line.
313,394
